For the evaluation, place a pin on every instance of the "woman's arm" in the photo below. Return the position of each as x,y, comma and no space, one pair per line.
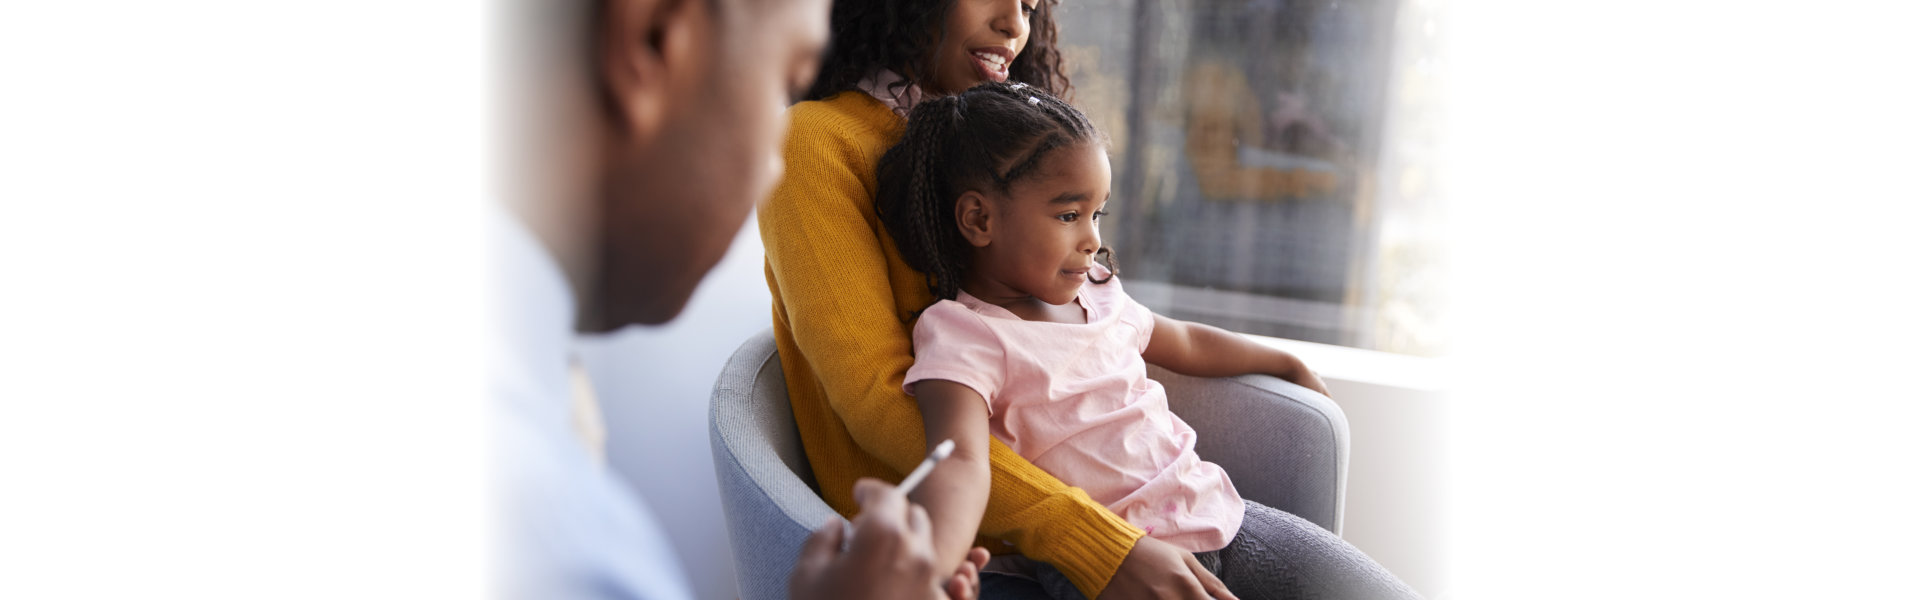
1203,350
955,493
831,277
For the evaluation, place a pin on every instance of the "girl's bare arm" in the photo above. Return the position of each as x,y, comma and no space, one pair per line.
955,493
1206,351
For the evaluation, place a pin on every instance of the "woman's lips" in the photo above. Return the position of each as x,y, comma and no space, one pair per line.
991,63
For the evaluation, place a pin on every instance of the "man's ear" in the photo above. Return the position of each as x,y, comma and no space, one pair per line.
650,52
975,215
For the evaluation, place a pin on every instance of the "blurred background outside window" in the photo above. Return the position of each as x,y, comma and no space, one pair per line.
1274,164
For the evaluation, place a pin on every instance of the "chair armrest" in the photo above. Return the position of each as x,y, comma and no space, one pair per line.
765,482
1284,445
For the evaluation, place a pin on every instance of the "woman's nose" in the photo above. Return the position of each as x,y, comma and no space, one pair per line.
1012,20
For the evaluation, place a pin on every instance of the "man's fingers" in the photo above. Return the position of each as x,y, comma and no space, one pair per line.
823,543
883,516
877,496
918,523
817,553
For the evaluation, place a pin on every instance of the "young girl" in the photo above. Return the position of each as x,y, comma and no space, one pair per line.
996,194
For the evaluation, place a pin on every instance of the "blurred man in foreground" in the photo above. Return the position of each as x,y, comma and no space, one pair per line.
641,134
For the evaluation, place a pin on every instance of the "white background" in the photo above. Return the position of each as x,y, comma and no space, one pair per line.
239,256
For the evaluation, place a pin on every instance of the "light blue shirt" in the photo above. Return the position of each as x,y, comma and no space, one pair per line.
567,527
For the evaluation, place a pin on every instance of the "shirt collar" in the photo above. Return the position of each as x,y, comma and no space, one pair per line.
531,318
880,85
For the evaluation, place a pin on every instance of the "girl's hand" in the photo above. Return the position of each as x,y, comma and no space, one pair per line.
1156,569
965,583
1305,377
1312,381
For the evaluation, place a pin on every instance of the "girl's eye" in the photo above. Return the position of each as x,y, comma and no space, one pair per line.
1026,9
1069,217
1097,214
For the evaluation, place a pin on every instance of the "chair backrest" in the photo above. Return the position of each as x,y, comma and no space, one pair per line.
766,486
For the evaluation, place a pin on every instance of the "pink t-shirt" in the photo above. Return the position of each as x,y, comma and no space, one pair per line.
1076,400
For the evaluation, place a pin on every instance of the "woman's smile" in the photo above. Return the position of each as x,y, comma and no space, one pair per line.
992,61
987,35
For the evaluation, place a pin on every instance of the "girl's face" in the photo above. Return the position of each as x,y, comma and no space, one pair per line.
1039,241
978,43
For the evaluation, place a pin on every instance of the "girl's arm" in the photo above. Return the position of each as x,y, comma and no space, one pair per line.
955,493
1203,350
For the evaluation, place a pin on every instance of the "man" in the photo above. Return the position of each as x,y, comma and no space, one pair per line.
642,132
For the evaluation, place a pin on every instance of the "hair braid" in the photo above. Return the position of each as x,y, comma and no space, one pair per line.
944,274
913,200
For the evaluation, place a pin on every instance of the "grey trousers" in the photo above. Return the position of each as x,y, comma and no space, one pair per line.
1274,555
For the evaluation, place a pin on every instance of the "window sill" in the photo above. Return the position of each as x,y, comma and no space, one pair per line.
1372,367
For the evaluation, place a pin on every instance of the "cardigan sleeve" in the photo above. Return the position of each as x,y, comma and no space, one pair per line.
826,254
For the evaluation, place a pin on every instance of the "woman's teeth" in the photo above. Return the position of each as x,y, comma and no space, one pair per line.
999,62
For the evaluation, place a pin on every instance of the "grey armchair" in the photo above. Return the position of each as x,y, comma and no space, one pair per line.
1284,446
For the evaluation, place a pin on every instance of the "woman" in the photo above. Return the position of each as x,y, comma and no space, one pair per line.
844,303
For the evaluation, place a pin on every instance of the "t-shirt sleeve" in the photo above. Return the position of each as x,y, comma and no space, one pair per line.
1131,312
1142,318
951,342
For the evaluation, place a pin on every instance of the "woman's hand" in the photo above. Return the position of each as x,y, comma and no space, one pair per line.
1156,569
890,556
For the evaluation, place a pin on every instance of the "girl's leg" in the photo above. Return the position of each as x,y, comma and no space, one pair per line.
1278,555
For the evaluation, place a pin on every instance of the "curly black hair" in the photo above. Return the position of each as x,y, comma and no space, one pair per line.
983,139
900,35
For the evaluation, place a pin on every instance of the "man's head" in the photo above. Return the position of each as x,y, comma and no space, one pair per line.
653,128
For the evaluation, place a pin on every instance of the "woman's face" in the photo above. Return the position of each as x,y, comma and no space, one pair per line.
978,43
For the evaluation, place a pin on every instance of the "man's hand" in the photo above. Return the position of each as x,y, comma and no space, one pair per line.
890,555
1156,569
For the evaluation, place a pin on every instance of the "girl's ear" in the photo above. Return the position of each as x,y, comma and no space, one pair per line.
974,214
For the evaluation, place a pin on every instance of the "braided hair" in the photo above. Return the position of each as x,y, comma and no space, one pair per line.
901,35
983,139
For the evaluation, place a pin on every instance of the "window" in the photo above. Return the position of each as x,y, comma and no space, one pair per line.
1273,164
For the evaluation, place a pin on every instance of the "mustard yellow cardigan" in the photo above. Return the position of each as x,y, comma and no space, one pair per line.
843,310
